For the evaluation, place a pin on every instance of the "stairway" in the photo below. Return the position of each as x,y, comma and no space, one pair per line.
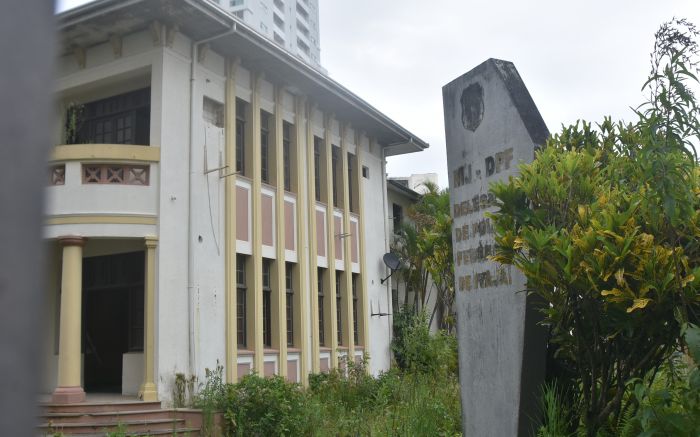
131,417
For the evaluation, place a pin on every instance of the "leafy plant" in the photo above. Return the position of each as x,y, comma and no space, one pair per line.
416,350
605,225
554,413
211,398
264,406
424,244
672,407
74,121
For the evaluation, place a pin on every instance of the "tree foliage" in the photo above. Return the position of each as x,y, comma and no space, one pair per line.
605,225
424,244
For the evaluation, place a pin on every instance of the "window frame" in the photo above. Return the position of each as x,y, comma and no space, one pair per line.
339,306
289,304
267,302
321,321
241,302
287,155
241,110
265,146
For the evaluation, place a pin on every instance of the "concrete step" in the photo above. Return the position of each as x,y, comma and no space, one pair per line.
107,416
148,426
180,432
97,407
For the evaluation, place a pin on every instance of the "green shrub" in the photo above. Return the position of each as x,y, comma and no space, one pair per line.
265,407
416,350
671,407
211,398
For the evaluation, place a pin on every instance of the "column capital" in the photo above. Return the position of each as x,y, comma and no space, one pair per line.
71,240
151,241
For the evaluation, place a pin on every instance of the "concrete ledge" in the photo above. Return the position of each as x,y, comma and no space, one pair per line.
105,153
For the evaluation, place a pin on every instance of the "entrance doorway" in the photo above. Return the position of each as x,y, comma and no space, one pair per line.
113,317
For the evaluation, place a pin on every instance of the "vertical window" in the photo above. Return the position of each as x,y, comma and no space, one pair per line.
321,331
397,217
267,303
240,136
287,157
338,306
317,168
334,178
289,285
355,334
350,183
265,146
241,290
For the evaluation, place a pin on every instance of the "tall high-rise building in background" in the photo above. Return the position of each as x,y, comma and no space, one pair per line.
292,24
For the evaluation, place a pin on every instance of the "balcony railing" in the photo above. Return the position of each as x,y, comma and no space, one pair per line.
99,180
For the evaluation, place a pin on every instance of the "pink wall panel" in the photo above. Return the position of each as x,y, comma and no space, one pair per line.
320,235
242,214
292,371
269,368
324,365
289,226
267,220
338,229
243,369
353,242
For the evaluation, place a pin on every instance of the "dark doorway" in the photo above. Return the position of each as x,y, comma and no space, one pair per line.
113,317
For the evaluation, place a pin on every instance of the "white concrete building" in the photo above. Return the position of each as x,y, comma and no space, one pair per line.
416,182
292,24
211,199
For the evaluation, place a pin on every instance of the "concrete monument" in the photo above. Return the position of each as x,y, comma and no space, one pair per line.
491,125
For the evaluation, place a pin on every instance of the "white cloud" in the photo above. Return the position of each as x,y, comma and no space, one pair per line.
584,59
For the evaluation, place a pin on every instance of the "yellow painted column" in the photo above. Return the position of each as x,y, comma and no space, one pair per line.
313,254
257,303
69,388
230,224
363,310
148,391
302,266
330,314
348,337
279,294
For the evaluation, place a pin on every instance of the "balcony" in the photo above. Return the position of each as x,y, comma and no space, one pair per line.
93,185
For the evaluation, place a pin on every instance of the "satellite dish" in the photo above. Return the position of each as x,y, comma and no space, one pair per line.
392,261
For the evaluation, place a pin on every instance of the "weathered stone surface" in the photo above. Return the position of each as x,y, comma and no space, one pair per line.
492,125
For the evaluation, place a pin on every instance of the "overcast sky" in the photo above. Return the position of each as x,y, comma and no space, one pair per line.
579,59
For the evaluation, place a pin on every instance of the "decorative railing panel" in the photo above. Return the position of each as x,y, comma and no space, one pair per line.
115,174
57,174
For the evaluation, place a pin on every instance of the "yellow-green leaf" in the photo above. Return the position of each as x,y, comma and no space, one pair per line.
638,304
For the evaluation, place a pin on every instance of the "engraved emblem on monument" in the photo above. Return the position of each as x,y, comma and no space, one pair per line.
472,101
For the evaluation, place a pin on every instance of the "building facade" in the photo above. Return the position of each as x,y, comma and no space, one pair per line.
292,24
212,201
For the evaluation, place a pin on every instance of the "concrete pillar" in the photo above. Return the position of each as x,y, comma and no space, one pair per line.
279,293
148,391
69,389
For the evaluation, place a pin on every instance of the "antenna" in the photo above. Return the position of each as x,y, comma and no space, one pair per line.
392,262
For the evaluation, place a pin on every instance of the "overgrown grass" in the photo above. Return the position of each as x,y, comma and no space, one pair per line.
338,404
419,397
